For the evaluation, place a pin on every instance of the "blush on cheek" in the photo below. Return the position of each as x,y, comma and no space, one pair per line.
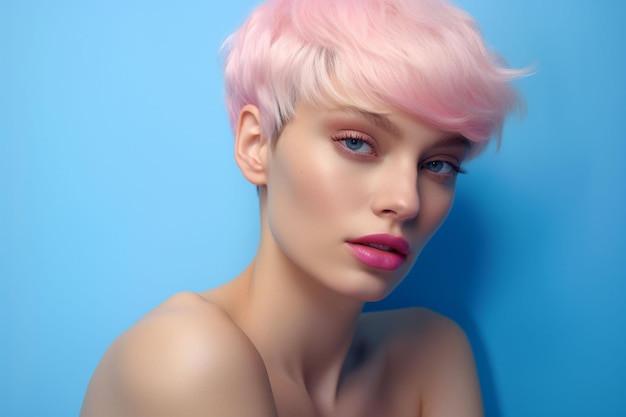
318,190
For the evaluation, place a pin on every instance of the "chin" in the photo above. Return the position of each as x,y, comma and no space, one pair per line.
371,291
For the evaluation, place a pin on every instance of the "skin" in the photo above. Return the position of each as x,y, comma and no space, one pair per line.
287,336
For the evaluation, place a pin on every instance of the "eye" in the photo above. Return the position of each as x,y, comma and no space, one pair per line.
355,143
443,168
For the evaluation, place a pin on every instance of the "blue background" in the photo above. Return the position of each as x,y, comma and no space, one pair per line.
118,188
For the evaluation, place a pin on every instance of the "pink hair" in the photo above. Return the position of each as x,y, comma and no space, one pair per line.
425,58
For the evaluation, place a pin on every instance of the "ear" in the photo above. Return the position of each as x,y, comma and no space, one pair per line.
251,146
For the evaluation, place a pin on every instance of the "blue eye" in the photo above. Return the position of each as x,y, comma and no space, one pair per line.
442,168
357,145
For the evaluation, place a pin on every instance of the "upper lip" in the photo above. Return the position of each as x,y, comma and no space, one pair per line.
384,240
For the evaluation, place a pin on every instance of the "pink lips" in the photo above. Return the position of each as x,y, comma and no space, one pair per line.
380,251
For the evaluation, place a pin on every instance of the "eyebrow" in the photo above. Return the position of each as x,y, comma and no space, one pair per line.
455,140
378,120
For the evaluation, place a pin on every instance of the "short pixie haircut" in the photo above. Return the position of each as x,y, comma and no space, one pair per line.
425,58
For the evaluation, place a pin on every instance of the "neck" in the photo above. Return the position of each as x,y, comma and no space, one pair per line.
302,329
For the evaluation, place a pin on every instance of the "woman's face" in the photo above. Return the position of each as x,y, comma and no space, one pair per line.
353,197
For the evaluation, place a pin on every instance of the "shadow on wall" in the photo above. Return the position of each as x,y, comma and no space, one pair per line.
446,278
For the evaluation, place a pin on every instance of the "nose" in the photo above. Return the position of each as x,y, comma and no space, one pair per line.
397,194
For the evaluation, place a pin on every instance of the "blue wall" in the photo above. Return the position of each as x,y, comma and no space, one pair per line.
117,189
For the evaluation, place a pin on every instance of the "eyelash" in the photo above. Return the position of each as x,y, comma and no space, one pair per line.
343,138
456,169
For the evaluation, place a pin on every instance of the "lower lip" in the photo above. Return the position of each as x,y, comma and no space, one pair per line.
377,258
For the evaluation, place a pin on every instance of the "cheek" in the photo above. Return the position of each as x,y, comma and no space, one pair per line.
306,206
313,185
435,206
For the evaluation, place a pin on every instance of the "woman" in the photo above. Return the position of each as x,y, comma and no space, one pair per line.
353,119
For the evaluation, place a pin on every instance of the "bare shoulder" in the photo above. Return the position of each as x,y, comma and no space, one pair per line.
186,357
431,353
